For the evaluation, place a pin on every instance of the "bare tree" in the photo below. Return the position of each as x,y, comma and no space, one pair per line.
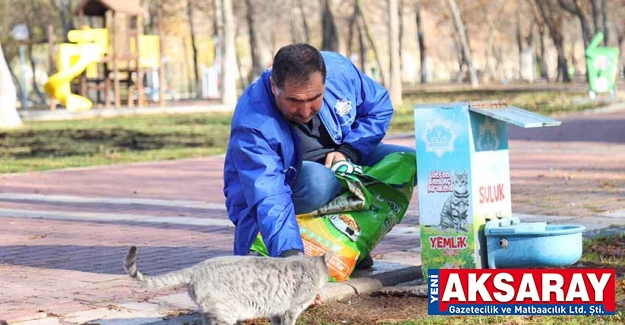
553,19
229,69
34,19
194,51
492,9
606,23
272,31
400,15
354,27
362,41
330,41
64,9
304,21
8,101
596,16
371,40
257,65
296,37
540,26
395,88
574,7
421,41
519,38
351,30
464,42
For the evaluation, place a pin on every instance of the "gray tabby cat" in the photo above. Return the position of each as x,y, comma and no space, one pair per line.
230,289
455,210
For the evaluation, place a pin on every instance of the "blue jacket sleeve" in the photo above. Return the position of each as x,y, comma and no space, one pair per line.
374,111
266,192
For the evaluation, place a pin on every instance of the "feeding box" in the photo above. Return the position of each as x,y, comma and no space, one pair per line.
463,174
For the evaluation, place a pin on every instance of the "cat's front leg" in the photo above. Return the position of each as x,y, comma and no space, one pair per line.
276,320
290,317
208,319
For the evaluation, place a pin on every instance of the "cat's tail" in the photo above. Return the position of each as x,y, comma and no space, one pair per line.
159,281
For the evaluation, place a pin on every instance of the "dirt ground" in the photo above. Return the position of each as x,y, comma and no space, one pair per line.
408,309
367,309
362,310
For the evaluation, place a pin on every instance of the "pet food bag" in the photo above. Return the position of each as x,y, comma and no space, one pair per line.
374,199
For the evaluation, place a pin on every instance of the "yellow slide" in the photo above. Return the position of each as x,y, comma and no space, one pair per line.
73,60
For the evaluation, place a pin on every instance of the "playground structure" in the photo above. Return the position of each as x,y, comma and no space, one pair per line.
109,54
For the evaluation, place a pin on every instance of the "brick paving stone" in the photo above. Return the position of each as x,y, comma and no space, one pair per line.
61,266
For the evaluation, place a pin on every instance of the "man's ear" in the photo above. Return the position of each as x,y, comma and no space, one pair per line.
273,86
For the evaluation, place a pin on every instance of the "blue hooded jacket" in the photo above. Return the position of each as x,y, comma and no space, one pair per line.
263,155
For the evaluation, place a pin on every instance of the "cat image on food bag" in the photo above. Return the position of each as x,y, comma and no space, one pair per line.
454,214
230,289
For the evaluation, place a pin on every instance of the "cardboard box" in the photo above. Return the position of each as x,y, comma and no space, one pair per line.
463,175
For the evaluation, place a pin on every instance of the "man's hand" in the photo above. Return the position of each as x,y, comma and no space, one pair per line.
334,156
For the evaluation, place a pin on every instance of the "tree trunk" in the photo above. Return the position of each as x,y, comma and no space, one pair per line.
395,88
194,51
540,24
229,95
488,74
464,42
577,11
33,67
8,101
620,39
243,81
218,29
33,22
64,8
330,41
351,29
257,65
372,42
563,73
421,41
596,16
519,40
295,35
304,21
543,61
272,30
606,23
362,43
461,60
553,19
400,15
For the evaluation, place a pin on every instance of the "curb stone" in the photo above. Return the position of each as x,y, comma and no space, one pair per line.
610,231
420,291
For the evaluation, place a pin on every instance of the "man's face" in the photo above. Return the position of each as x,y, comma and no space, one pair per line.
300,101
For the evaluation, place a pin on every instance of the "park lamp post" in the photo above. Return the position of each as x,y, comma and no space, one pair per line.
20,34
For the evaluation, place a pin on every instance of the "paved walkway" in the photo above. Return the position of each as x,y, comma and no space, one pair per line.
65,233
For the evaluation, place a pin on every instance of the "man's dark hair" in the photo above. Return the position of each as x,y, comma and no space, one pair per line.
297,62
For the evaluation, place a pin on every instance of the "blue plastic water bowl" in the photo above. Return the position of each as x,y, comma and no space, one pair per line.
513,244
